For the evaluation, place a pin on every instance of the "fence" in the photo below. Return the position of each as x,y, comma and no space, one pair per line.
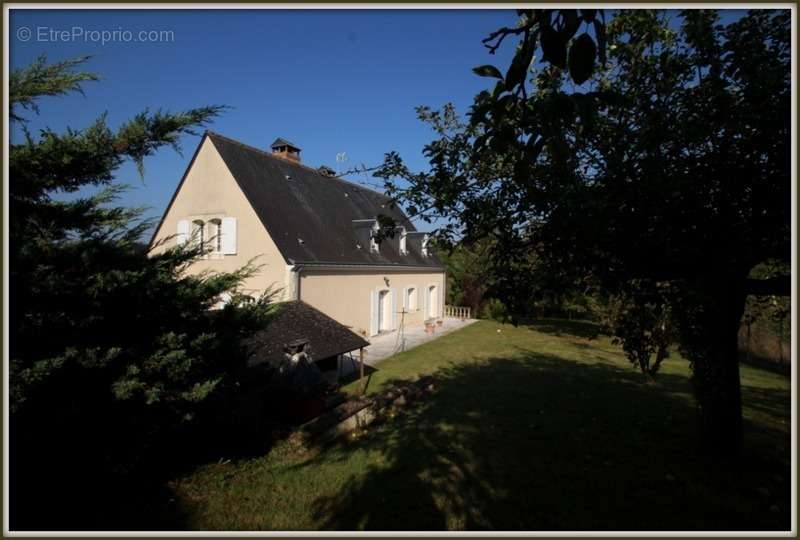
759,344
457,312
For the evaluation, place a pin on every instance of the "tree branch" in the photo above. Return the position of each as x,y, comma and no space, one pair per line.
777,286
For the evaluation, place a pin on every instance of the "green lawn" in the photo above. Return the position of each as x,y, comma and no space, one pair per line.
532,428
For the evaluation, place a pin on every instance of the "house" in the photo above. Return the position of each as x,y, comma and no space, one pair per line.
315,235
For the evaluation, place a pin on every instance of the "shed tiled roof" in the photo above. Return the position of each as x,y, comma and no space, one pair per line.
297,320
310,216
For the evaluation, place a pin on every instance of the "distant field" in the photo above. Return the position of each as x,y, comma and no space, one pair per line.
533,428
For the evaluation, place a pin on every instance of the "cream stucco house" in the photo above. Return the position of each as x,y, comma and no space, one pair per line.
312,232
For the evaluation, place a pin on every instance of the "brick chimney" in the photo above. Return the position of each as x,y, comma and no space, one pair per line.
286,150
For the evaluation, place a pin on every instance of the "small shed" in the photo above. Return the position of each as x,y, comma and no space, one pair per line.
298,323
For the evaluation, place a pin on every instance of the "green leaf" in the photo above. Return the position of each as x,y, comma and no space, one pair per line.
487,71
520,64
581,58
499,88
600,33
534,148
554,49
571,23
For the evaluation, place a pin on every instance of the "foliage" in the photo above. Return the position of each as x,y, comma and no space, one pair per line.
43,79
671,164
494,310
551,30
112,348
642,324
467,276
774,310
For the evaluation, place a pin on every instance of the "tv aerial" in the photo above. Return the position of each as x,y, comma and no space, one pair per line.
341,158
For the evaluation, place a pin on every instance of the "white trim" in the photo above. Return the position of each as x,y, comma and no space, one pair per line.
228,233
402,244
384,296
215,235
382,267
183,229
374,319
428,297
197,232
374,247
393,307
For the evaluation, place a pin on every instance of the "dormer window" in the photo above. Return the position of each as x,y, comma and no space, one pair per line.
374,247
367,234
425,250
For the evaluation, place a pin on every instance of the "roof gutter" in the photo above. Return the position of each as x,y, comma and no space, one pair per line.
299,266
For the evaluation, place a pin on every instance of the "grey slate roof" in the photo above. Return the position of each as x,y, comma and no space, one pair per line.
298,320
310,216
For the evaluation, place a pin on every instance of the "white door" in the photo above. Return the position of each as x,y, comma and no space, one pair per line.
432,301
384,317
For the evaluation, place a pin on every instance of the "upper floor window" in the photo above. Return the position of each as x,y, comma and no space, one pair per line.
425,250
198,232
216,235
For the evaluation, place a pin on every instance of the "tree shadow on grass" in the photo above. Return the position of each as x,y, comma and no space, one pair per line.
543,443
564,327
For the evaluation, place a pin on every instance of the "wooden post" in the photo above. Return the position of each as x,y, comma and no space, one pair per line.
361,368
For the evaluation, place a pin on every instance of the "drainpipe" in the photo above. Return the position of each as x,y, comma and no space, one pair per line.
444,292
295,276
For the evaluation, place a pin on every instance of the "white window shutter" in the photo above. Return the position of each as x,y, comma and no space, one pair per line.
394,309
229,236
183,232
423,296
373,319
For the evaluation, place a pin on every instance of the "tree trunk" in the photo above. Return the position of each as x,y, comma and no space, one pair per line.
661,355
747,349
716,364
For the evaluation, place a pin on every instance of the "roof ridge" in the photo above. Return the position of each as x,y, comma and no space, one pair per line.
286,161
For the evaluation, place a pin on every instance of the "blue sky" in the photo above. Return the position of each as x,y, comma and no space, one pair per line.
330,81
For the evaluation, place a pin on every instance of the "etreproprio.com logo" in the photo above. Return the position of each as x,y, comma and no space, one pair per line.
79,34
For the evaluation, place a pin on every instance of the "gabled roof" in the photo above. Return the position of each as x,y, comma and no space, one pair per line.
297,320
310,216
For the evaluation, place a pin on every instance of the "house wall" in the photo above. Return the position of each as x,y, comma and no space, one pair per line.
345,295
210,191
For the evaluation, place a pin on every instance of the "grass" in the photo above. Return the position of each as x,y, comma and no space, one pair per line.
545,427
